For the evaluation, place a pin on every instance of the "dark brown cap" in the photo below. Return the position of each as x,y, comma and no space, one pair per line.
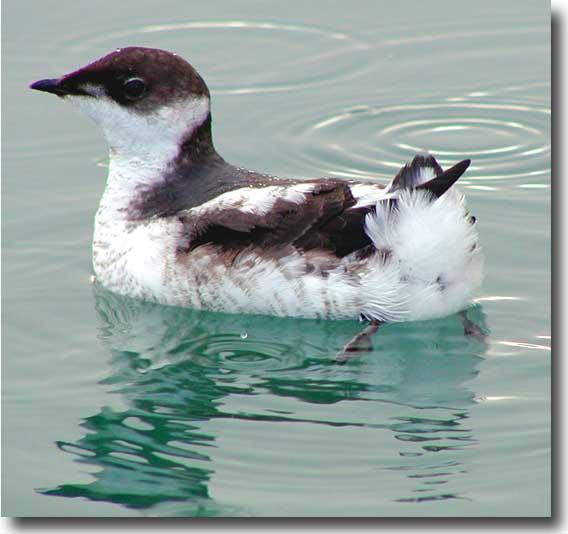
143,79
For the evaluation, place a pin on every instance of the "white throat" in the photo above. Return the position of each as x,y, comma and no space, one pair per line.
141,145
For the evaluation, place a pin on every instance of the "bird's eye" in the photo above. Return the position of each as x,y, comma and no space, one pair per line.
134,88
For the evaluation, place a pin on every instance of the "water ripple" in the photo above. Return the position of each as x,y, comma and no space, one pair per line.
505,141
306,55
205,408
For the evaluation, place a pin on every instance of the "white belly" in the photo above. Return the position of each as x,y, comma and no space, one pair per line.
428,265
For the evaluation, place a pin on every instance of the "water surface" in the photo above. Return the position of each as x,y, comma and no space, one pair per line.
121,408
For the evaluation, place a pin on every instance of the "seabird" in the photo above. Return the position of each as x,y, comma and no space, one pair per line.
178,225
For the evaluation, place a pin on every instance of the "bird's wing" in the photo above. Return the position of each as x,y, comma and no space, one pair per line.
324,214
318,214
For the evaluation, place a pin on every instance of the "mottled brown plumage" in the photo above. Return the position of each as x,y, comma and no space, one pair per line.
318,222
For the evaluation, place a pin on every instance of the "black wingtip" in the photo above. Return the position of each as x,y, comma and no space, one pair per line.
439,185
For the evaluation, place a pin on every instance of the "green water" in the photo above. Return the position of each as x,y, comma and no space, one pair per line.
120,408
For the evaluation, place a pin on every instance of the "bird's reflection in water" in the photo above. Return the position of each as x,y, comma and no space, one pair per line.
188,376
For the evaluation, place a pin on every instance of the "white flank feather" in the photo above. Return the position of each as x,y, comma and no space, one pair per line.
435,249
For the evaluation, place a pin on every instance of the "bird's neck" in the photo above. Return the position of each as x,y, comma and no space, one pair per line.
140,172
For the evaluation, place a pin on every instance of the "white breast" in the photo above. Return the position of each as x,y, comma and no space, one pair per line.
130,258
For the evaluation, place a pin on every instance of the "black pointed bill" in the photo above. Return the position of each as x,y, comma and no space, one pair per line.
57,86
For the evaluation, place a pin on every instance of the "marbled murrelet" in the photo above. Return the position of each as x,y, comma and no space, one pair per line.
179,225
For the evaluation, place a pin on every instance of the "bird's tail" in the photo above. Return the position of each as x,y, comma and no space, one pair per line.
426,174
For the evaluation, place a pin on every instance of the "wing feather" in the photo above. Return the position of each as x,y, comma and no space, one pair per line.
306,215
